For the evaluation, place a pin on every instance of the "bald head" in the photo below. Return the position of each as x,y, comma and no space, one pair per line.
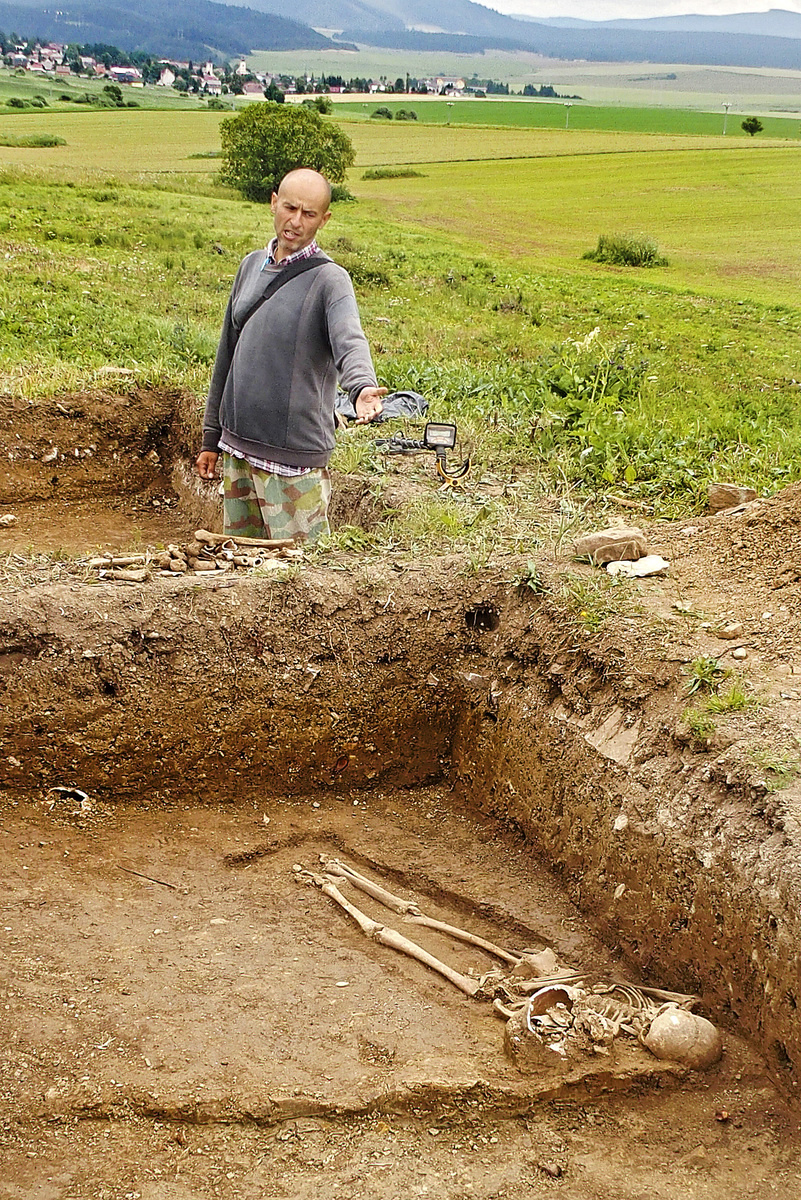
300,208
310,183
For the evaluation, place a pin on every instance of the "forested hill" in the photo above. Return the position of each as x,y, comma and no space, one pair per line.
605,45
180,29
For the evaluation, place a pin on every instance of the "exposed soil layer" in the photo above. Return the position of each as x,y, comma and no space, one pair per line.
172,994
182,1018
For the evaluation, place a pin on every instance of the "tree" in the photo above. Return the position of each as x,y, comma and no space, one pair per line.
752,125
265,141
273,92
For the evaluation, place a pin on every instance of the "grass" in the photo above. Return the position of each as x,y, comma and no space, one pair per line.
392,173
34,141
673,391
560,374
548,114
728,221
705,675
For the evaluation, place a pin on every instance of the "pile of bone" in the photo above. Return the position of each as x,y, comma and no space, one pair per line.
567,1013
207,552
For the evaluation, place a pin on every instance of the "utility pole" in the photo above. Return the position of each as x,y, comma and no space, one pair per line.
726,108
567,114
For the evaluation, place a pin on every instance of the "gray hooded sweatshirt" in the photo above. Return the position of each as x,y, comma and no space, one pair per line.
274,382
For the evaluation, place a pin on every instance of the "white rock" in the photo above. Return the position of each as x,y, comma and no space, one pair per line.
651,564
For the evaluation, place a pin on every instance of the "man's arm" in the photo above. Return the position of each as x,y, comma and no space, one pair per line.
351,353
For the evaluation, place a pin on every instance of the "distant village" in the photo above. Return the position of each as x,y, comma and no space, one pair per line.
209,79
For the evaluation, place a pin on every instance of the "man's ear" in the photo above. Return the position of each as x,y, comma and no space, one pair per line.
326,218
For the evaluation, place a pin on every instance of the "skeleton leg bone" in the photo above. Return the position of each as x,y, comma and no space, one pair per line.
337,868
333,866
390,937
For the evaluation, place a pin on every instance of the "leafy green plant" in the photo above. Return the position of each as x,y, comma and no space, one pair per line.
626,250
593,600
382,114
530,581
705,675
781,769
699,723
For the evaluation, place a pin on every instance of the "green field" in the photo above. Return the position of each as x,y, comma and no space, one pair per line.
550,114
118,250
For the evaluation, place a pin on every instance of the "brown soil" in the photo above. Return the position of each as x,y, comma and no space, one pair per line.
180,1018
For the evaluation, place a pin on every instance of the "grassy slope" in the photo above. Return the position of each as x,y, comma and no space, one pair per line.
678,386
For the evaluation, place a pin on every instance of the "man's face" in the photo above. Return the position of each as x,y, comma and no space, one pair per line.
300,209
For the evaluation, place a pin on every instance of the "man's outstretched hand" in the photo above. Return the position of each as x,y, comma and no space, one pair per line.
206,463
368,405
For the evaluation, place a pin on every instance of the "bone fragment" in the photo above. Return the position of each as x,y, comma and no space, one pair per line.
126,576
219,539
113,560
391,937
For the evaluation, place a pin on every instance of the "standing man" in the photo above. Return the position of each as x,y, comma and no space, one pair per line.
291,330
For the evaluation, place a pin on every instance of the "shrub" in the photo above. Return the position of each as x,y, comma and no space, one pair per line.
752,125
405,114
265,141
383,113
340,192
34,140
392,173
626,250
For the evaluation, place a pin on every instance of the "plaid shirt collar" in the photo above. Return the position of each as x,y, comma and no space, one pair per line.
307,252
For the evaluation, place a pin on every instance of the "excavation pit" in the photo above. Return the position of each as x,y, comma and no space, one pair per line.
182,1017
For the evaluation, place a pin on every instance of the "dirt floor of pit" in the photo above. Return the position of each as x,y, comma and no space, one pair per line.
219,1029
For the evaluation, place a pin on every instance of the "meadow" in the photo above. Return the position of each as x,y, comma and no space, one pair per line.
561,374
576,115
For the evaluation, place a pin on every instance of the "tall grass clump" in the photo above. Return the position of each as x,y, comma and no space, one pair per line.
626,250
392,173
33,141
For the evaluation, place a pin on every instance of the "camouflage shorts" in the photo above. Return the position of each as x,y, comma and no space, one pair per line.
262,504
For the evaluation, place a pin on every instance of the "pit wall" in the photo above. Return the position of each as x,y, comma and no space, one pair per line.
680,859
349,679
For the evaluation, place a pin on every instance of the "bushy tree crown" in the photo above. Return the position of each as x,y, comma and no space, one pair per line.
265,141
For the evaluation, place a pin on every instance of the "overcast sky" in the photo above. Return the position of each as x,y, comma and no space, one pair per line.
609,10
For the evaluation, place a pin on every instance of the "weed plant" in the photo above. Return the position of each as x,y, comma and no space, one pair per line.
626,250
